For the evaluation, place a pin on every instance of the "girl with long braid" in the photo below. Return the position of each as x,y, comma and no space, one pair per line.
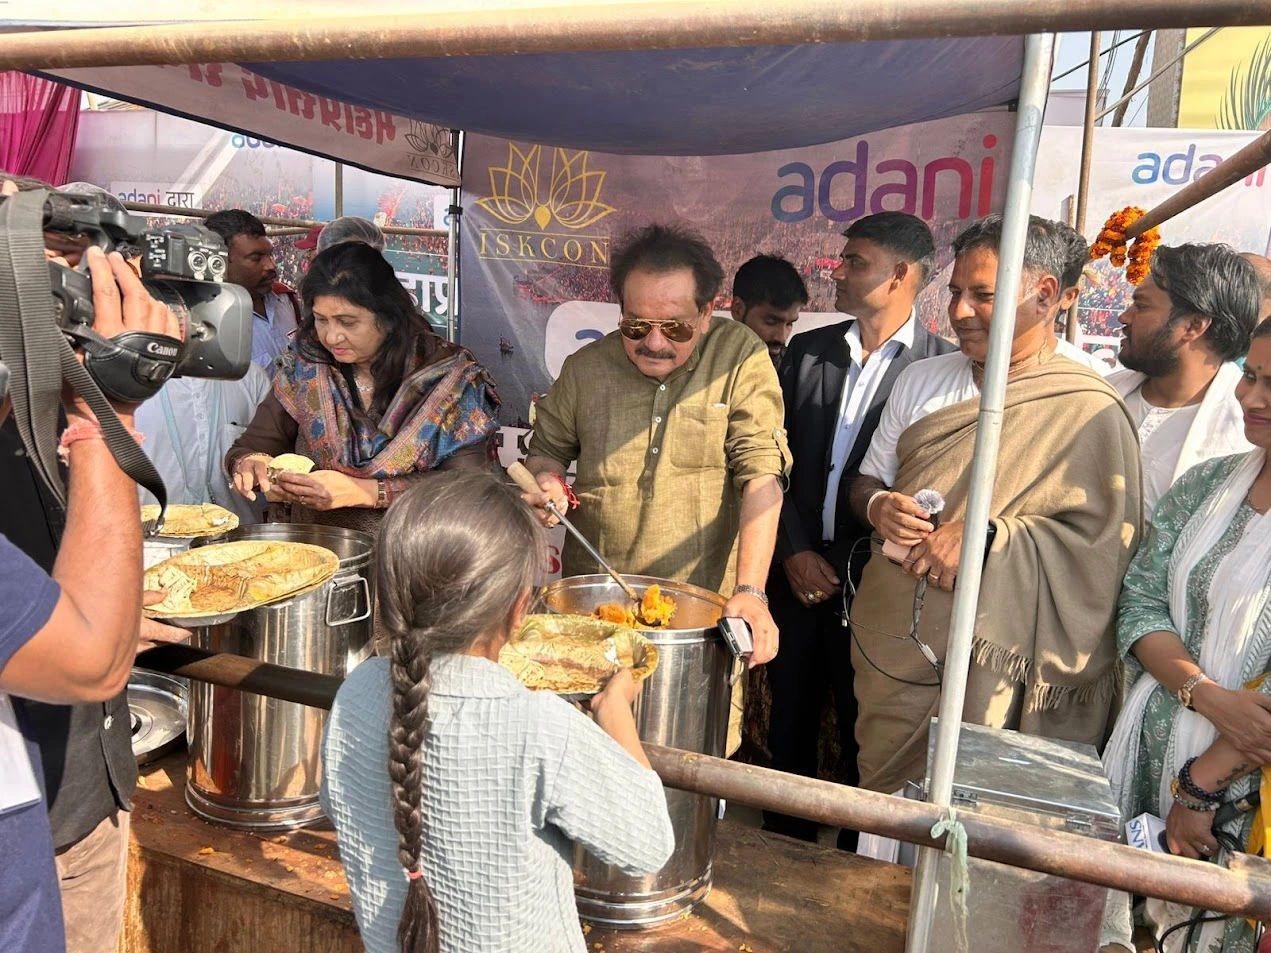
456,793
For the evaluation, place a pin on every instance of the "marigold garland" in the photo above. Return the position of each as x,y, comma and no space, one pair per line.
1112,244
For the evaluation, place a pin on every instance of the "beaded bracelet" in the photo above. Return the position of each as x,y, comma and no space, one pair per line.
1192,789
1187,801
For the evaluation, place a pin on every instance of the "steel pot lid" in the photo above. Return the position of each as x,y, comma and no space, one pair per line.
157,708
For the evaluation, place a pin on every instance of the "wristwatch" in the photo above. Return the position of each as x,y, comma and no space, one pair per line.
1185,693
752,591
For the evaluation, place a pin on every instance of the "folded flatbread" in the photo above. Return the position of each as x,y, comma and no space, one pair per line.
575,655
191,520
232,577
289,463
286,463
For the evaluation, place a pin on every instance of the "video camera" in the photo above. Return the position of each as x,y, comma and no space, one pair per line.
182,266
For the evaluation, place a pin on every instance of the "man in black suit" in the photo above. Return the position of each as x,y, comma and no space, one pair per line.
835,381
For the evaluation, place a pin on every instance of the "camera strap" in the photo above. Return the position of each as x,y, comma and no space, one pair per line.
41,360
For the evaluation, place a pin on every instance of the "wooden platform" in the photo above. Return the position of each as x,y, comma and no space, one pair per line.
195,887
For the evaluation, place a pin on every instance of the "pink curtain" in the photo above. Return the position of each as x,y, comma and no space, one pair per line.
38,123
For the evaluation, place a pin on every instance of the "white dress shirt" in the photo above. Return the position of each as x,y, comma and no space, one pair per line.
921,389
189,426
863,378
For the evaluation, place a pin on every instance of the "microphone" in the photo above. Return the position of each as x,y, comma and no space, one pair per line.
931,502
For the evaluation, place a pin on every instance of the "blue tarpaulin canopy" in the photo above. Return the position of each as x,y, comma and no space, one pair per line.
681,102
712,101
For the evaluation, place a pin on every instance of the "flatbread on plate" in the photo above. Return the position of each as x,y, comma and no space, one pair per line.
575,655
191,520
225,578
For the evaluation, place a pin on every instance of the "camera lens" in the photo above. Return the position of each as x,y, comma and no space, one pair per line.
216,264
198,262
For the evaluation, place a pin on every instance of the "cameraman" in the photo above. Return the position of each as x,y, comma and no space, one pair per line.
70,638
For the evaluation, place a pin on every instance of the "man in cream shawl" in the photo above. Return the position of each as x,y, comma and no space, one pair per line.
1066,518
1186,325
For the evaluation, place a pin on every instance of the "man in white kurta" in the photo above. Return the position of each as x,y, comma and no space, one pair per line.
1186,326
189,427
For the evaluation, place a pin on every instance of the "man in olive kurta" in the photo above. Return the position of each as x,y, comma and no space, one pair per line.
676,424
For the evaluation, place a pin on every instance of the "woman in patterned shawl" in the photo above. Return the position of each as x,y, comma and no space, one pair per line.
369,393
1195,627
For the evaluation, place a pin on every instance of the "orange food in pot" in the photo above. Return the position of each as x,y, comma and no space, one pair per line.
612,612
655,611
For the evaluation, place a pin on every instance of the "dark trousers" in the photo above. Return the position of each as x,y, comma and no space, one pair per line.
815,658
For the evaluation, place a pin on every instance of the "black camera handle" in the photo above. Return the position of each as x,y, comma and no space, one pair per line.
40,359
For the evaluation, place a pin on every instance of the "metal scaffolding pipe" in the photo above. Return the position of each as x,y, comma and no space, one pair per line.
1073,329
1038,56
303,224
1245,891
475,27
1252,158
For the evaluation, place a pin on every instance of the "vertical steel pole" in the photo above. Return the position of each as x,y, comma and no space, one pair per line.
452,249
1038,55
1073,330
339,190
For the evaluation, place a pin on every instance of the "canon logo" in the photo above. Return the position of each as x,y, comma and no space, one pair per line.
162,350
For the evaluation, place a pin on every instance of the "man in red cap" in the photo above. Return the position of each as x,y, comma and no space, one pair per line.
309,244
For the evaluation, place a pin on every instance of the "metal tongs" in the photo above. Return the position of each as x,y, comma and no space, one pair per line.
525,480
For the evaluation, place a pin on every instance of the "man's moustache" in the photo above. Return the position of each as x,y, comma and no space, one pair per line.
655,355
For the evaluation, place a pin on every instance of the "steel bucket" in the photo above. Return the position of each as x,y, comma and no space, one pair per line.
255,762
684,704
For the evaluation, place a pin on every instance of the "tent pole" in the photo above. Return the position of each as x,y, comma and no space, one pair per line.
452,284
1039,52
339,189
452,248
477,27
1136,67
1253,157
1073,329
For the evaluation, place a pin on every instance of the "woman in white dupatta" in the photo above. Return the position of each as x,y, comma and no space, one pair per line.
1195,626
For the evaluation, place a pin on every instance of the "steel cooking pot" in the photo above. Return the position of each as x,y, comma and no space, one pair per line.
684,704
255,762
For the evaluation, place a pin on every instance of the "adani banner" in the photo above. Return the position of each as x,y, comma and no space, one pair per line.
1143,167
539,224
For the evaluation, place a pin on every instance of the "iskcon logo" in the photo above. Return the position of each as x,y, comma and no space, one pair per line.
533,207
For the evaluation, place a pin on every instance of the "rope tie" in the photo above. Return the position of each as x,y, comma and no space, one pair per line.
959,875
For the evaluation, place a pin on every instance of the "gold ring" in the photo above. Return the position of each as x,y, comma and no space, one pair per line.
819,594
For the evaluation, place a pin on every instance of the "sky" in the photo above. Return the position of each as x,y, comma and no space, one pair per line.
1074,50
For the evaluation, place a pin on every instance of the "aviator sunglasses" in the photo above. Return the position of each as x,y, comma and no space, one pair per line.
676,331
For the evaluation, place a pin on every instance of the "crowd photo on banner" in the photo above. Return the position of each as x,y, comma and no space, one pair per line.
673,450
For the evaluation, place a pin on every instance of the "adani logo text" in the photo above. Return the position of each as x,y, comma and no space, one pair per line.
545,219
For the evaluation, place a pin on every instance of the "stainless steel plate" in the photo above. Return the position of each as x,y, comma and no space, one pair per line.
157,705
